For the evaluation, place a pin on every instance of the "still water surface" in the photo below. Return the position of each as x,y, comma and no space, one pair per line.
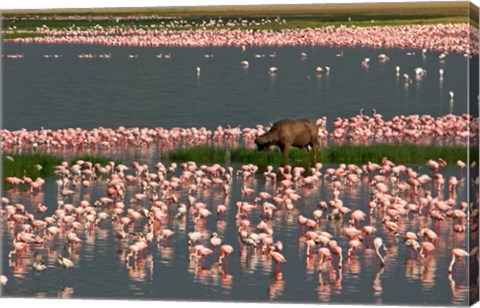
149,92
165,272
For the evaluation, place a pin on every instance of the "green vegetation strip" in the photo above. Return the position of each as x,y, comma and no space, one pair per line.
30,165
42,165
349,154
35,165
453,8
297,16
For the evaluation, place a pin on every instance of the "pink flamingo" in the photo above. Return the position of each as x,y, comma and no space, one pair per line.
324,255
225,250
202,213
221,209
336,250
413,245
352,245
461,165
165,234
17,247
200,251
302,220
457,254
427,247
277,258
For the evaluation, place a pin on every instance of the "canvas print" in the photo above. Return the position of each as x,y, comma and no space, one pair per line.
305,153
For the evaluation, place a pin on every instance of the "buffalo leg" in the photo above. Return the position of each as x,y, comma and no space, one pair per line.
316,145
284,149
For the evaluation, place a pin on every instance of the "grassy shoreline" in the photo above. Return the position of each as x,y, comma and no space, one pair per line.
297,16
349,154
26,164
42,165
406,9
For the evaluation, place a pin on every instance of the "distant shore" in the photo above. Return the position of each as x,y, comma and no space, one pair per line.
444,38
433,26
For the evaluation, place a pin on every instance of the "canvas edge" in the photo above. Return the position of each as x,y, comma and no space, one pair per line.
473,172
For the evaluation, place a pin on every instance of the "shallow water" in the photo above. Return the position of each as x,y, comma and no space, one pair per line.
150,92
165,272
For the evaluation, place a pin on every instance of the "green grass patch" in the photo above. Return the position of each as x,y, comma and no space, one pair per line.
453,8
28,165
297,16
349,154
16,35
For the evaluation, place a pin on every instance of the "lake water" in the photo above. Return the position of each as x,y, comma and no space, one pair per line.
149,92
165,272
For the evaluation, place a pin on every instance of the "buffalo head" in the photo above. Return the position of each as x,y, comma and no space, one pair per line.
263,142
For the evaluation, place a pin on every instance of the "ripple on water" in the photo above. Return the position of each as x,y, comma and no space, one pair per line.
100,269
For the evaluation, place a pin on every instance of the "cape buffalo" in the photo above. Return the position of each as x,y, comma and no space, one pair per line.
287,133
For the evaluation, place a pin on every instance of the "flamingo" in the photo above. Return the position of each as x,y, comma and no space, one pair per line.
215,241
202,213
378,243
302,220
324,255
277,258
72,238
220,209
413,245
17,246
272,70
225,250
427,247
336,250
461,165
3,280
165,234
200,252
38,265
352,245
457,253
357,216
64,262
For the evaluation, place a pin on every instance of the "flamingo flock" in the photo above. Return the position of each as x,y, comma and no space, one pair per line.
406,210
361,129
443,37
140,199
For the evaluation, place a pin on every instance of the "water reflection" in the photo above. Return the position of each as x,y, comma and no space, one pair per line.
276,286
173,86
101,254
65,292
377,286
459,291
329,285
